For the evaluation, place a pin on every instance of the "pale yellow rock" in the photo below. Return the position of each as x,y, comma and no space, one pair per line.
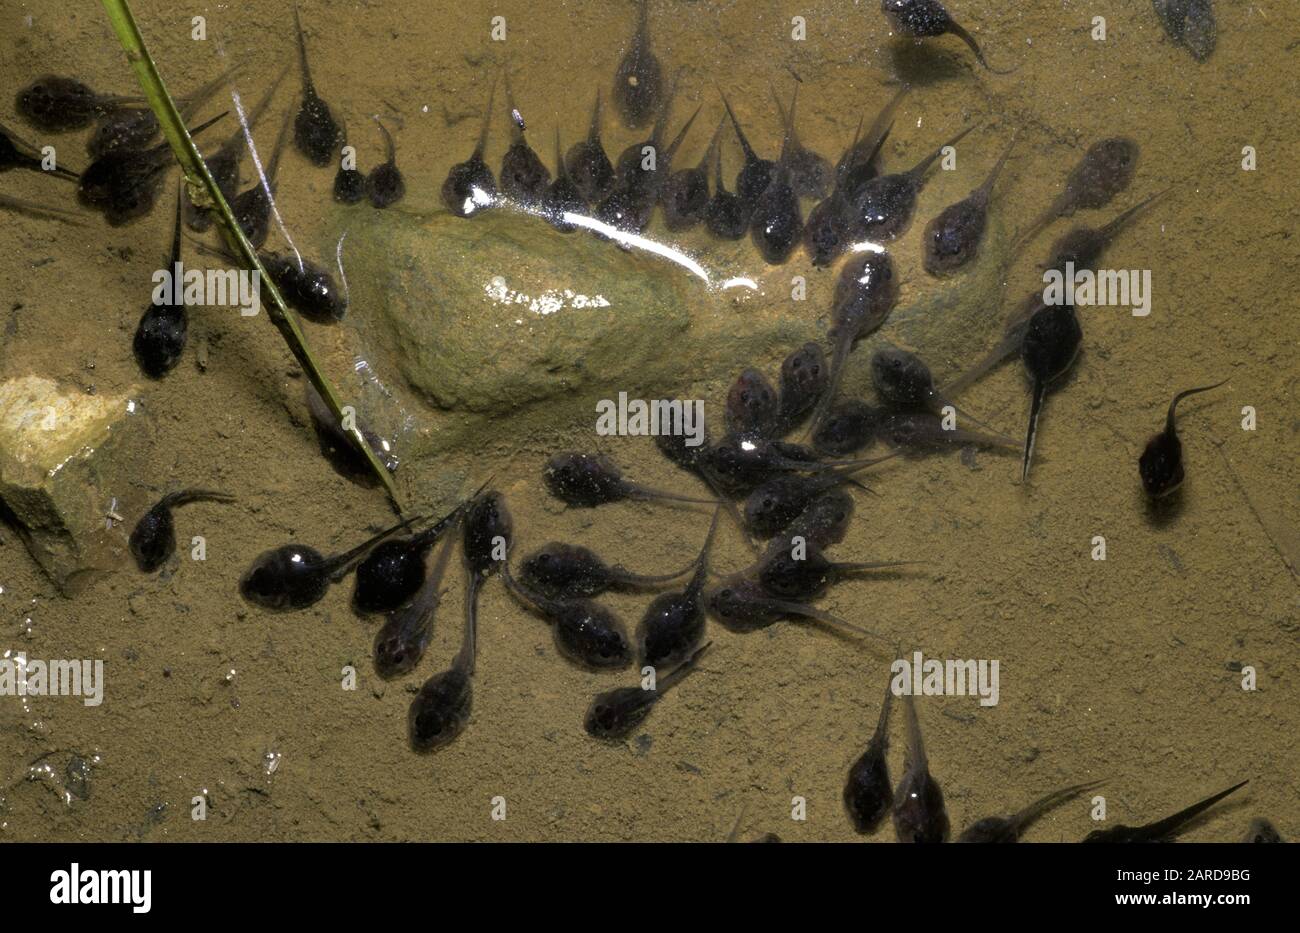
57,463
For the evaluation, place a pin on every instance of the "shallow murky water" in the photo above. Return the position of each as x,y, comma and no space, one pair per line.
1129,669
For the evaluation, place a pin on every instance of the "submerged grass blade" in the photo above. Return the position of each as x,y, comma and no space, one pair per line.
200,182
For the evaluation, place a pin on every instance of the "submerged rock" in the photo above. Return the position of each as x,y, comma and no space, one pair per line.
502,312
58,448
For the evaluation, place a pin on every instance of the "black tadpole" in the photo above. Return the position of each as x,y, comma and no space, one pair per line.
638,80
1162,830
952,239
588,480
756,174
570,571
401,640
440,710
1161,463
673,623
57,104
586,633
868,795
295,576
523,177
923,19
153,540
123,183
43,211
385,185
563,200
394,570
315,131
470,187
615,713
1050,347
920,815
588,163
161,335
1010,828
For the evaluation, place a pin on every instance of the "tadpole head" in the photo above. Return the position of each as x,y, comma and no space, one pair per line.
1161,465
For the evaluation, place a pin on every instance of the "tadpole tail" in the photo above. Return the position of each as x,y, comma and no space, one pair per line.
1112,227
701,562
50,213
1030,814
734,835
561,170
750,155
681,135
861,485
468,653
1040,392
391,149
675,676
180,213
915,756
881,734
1032,231
250,119
440,562
848,467
481,147
995,434
201,96
342,565
876,135
864,566
992,179
714,144
593,131
268,182
729,506
631,580
532,600
1163,828
839,355
966,37
990,438
302,52
186,496
59,172
787,117
643,493
207,123
826,618
642,21
518,126
921,166
1169,418
665,110
719,183
110,101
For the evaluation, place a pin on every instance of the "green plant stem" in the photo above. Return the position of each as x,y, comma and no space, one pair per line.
200,179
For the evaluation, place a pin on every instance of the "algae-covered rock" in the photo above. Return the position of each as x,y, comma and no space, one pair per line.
502,311
56,447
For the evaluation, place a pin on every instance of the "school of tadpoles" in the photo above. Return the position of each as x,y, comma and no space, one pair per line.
782,472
